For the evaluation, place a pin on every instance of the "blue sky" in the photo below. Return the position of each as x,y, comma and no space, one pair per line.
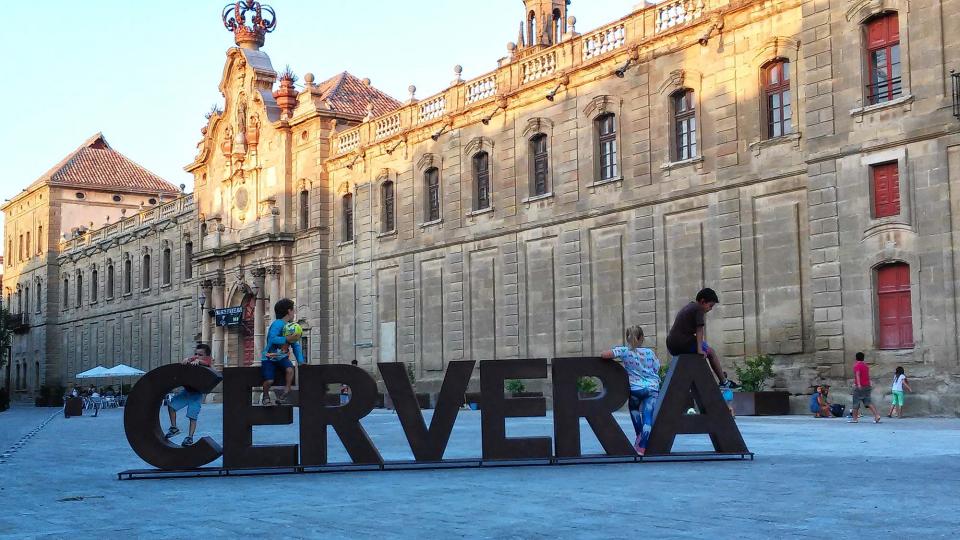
144,73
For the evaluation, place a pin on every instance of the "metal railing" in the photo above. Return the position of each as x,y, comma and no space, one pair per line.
18,322
884,91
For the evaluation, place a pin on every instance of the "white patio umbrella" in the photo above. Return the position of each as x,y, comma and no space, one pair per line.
98,372
123,370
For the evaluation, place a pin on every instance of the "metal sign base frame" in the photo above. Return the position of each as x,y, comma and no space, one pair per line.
467,463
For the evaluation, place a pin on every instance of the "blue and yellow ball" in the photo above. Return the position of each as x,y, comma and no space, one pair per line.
292,329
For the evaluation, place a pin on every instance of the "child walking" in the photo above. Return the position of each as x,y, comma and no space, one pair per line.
643,370
899,383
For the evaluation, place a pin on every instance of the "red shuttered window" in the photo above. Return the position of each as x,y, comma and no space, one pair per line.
893,305
886,189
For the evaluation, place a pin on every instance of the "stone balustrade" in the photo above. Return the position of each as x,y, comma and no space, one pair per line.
387,126
639,27
539,67
604,41
482,88
432,108
151,215
677,13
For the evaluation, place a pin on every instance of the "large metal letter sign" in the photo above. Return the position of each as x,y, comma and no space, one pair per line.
427,444
496,409
688,376
689,381
568,408
315,415
239,417
142,423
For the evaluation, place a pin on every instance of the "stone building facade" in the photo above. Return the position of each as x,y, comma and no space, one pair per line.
801,157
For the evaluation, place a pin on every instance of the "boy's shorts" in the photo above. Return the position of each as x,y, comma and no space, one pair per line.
862,395
897,398
189,399
269,367
691,351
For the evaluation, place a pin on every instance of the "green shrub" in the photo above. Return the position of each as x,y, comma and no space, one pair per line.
587,385
411,375
754,373
664,369
515,386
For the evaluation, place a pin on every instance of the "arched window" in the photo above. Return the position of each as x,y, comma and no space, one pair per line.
606,127
684,125
532,29
557,26
29,252
66,292
40,240
127,276
203,229
94,285
348,217
894,312
883,58
19,300
481,181
26,299
388,221
188,260
145,272
110,282
167,266
539,165
431,181
39,302
79,299
304,209
777,100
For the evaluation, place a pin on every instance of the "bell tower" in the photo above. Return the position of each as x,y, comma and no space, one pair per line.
543,22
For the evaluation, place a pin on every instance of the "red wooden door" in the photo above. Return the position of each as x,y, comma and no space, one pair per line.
894,311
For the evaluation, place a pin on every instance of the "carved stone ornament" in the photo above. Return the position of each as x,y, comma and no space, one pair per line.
478,144
674,81
426,161
241,199
598,106
537,125
226,147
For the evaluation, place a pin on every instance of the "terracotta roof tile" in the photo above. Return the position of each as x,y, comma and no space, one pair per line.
95,165
348,94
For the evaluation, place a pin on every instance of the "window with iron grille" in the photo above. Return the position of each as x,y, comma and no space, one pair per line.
776,91
387,197
883,58
540,168
607,142
885,178
481,179
685,125
432,183
894,312
347,217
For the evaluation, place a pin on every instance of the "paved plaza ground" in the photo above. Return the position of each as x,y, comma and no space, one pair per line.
811,478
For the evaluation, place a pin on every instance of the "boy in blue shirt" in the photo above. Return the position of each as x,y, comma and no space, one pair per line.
276,352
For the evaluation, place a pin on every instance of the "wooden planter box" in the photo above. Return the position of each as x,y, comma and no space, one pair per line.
526,394
761,403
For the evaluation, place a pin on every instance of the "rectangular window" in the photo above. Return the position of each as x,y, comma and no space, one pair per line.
79,299
94,286
481,171
685,125
883,58
348,217
29,253
541,164
776,88
607,130
40,240
432,180
66,293
893,306
386,194
39,307
886,189
188,260
304,209
110,283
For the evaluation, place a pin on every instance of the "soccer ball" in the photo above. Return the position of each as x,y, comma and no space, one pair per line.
292,329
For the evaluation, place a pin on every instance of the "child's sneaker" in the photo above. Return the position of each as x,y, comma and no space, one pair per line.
636,446
171,432
187,442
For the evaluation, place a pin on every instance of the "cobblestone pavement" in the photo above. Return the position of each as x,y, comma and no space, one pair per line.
811,478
